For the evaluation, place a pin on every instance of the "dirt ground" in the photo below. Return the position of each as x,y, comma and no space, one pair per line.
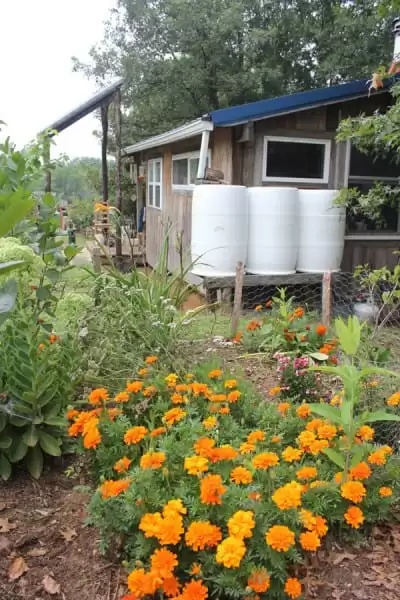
46,551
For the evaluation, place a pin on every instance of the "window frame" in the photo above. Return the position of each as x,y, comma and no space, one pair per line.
327,143
154,184
188,156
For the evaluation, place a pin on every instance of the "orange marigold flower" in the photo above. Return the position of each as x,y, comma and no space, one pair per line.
42,347
133,387
291,454
353,491
122,397
200,389
233,396
274,391
158,431
268,303
256,496
265,460
174,416
178,399
225,410
170,587
305,439
394,399
256,436
385,492
53,338
92,438
143,372
171,380
258,308
113,413
72,413
241,524
307,519
320,527
150,524
283,407
314,523
387,449
170,530
246,448
327,432
307,473
310,541
211,489
195,465
242,476
230,384
194,590
163,563
134,435
360,472
299,312
152,460
275,439
181,388
195,569
218,398
288,496
238,337
253,325
378,457
366,433
317,446
174,507
150,391
122,465
259,581
142,583
110,488
225,452
202,534
354,517
303,411
98,395
314,424
230,552
321,330
280,538
210,422
203,446
150,360
214,374
293,588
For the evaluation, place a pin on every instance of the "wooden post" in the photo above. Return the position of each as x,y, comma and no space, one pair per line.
118,195
104,166
237,302
96,259
327,298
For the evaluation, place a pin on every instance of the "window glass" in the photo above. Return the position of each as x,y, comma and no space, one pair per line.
365,165
193,165
157,201
295,160
180,171
157,171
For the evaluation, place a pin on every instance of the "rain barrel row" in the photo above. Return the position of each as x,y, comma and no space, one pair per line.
272,230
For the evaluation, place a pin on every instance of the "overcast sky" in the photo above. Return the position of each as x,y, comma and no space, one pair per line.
37,85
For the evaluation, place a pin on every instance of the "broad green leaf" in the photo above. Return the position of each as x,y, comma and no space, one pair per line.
30,437
5,442
17,207
358,455
17,450
17,421
328,412
349,335
71,251
367,371
49,444
3,421
380,415
5,467
53,275
56,422
8,296
335,457
34,461
346,413
319,356
42,293
10,266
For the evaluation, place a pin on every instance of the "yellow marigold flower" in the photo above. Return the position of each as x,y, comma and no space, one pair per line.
210,422
233,396
256,436
171,587
336,400
152,460
275,439
240,475
317,446
259,581
134,435
150,360
353,491
171,380
318,483
305,439
354,517
246,448
110,489
134,387
195,569
211,489
259,307
339,477
178,399
122,465
385,492
98,395
189,376
143,584
241,524
291,454
283,407
201,535
394,400
174,507
303,411
121,397
386,449
293,588
310,541
194,590
307,519
378,457
327,432
280,538
265,460
203,446
158,431
366,433
307,473
288,496
100,207
360,472
143,372
314,424
195,465
163,563
230,552
150,391
275,391
174,416
215,374
230,384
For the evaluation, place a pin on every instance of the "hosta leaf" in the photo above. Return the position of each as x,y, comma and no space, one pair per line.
34,461
328,412
49,444
31,437
17,450
5,467
335,457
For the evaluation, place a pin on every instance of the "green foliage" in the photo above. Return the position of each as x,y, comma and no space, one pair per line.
71,310
382,287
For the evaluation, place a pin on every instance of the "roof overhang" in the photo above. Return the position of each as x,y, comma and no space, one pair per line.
183,132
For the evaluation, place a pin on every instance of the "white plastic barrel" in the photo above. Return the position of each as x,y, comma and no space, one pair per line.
273,230
219,229
321,231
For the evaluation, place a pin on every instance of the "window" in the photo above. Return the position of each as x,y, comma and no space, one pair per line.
184,170
154,176
296,160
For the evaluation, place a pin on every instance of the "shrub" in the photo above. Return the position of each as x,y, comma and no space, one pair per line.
211,485
71,310
11,249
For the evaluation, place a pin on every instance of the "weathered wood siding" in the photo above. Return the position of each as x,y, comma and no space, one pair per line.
376,253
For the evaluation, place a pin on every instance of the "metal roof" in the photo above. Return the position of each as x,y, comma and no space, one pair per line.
284,104
84,109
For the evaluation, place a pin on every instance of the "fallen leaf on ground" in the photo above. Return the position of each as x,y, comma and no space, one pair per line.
5,545
37,552
6,526
68,534
341,557
17,568
50,585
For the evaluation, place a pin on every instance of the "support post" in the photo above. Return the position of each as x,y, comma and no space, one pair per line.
327,298
237,302
96,259
104,166
118,193
201,169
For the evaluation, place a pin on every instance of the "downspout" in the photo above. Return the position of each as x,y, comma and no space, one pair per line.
205,140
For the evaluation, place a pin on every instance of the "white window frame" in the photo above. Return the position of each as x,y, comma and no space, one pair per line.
299,140
188,156
154,184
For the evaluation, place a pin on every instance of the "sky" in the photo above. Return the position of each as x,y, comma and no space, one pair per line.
37,86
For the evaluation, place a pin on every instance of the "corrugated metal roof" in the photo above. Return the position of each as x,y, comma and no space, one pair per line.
86,108
285,104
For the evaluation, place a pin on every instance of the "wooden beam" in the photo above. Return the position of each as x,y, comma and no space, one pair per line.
237,303
264,280
327,299
118,193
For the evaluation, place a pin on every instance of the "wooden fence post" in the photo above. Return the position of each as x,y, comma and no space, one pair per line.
96,259
237,302
327,298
